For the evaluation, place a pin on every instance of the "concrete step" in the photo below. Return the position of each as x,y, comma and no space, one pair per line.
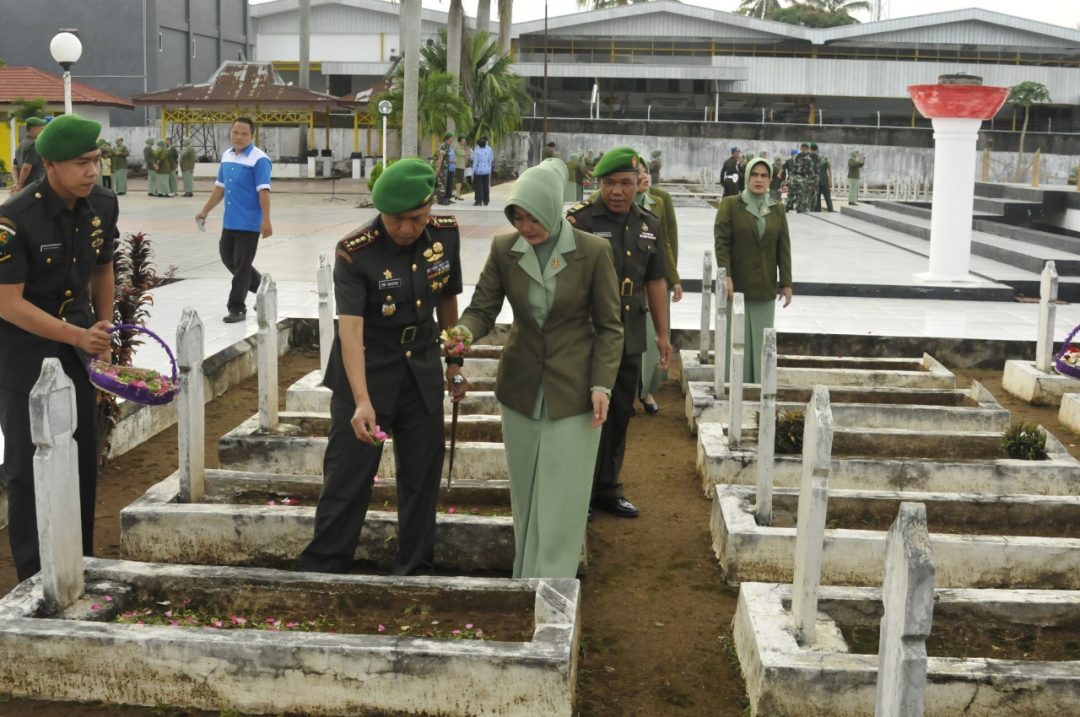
921,209
1030,235
1013,211
994,190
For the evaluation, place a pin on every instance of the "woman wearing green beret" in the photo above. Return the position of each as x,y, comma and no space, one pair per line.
753,245
557,368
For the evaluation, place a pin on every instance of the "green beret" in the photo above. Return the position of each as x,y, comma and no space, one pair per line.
448,135
66,137
36,122
403,186
813,145
621,159
149,141
656,153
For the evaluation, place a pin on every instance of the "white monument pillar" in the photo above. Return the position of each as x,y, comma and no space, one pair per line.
266,309
720,333
191,407
766,444
706,308
1048,293
735,375
957,105
324,280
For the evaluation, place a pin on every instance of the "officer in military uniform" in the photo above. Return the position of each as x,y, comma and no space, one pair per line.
392,279
634,234
731,173
56,301
823,188
805,173
27,166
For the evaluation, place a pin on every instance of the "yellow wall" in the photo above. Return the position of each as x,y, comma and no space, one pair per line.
5,143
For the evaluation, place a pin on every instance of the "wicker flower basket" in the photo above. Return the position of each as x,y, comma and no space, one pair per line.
140,385
1067,361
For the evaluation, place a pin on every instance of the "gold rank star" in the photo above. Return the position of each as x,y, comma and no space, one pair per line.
388,274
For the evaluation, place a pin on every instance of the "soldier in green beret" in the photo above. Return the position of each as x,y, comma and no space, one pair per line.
120,166
187,168
56,301
150,162
392,280
27,166
654,167
173,158
635,235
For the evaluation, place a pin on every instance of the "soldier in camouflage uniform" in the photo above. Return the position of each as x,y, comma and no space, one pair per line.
161,161
804,180
824,185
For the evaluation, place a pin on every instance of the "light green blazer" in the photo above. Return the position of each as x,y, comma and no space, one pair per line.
580,343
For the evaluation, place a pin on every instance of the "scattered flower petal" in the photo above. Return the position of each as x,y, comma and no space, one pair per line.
382,628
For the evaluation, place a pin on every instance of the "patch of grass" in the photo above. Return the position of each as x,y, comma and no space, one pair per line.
1025,441
789,432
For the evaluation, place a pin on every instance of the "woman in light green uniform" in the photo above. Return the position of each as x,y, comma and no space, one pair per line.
753,244
558,365
658,201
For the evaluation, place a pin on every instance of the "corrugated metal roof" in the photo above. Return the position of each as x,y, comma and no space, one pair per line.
32,83
241,83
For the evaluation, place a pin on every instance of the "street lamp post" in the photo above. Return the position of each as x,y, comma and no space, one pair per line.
66,49
385,108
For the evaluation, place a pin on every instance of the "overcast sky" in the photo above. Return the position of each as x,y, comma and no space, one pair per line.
1057,12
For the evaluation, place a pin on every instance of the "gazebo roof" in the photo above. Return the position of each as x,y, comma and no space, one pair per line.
241,83
360,100
32,83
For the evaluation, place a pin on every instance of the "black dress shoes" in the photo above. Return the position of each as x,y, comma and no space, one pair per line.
620,507
234,317
651,408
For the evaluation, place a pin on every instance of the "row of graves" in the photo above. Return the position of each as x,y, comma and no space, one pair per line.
203,611
891,560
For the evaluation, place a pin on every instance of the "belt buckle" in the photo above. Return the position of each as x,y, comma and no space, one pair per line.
408,334
627,288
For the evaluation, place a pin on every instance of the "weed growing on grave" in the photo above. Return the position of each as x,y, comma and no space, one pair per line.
1025,441
789,432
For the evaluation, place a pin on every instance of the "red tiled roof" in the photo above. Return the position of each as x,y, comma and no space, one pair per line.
241,83
32,83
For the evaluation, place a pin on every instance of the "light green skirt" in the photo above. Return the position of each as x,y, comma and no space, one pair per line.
760,315
551,471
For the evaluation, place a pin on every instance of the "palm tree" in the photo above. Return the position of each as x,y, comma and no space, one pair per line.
483,16
506,19
455,29
493,94
410,18
1025,95
441,100
758,8
838,7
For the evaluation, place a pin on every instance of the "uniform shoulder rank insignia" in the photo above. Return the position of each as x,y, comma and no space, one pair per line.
443,221
355,242
577,207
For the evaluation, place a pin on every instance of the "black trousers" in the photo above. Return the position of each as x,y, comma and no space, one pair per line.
609,456
19,466
448,187
482,187
237,251
348,474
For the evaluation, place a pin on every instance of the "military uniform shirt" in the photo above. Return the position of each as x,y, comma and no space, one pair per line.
396,289
26,153
52,251
638,259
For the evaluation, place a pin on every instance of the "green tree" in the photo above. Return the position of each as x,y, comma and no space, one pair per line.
809,16
29,108
764,9
1025,95
438,99
840,7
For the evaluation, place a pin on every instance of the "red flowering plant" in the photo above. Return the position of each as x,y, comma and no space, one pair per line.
457,340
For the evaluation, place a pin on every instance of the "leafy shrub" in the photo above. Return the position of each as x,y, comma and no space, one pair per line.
375,172
789,432
1025,441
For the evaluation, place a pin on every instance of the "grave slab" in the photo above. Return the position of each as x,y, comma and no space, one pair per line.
157,527
309,395
1039,388
1058,475
784,679
808,371
245,448
973,409
1070,411
265,672
751,552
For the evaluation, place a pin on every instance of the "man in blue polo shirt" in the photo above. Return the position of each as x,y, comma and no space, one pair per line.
243,181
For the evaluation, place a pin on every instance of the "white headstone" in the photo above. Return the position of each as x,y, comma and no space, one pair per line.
56,485
720,333
1044,344
735,375
706,308
266,309
766,443
908,594
191,408
813,505
326,310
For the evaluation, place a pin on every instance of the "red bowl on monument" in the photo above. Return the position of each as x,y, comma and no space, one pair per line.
958,101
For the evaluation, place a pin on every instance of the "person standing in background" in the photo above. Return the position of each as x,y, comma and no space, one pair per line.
654,168
120,166
464,159
27,166
483,158
106,163
824,186
150,162
187,167
172,156
731,171
854,177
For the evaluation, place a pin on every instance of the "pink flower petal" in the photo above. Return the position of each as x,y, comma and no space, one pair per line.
455,632
451,509
479,632
237,620
95,606
108,598
382,628
291,625
468,626
217,623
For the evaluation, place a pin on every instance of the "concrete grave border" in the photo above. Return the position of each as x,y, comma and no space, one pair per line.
268,672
